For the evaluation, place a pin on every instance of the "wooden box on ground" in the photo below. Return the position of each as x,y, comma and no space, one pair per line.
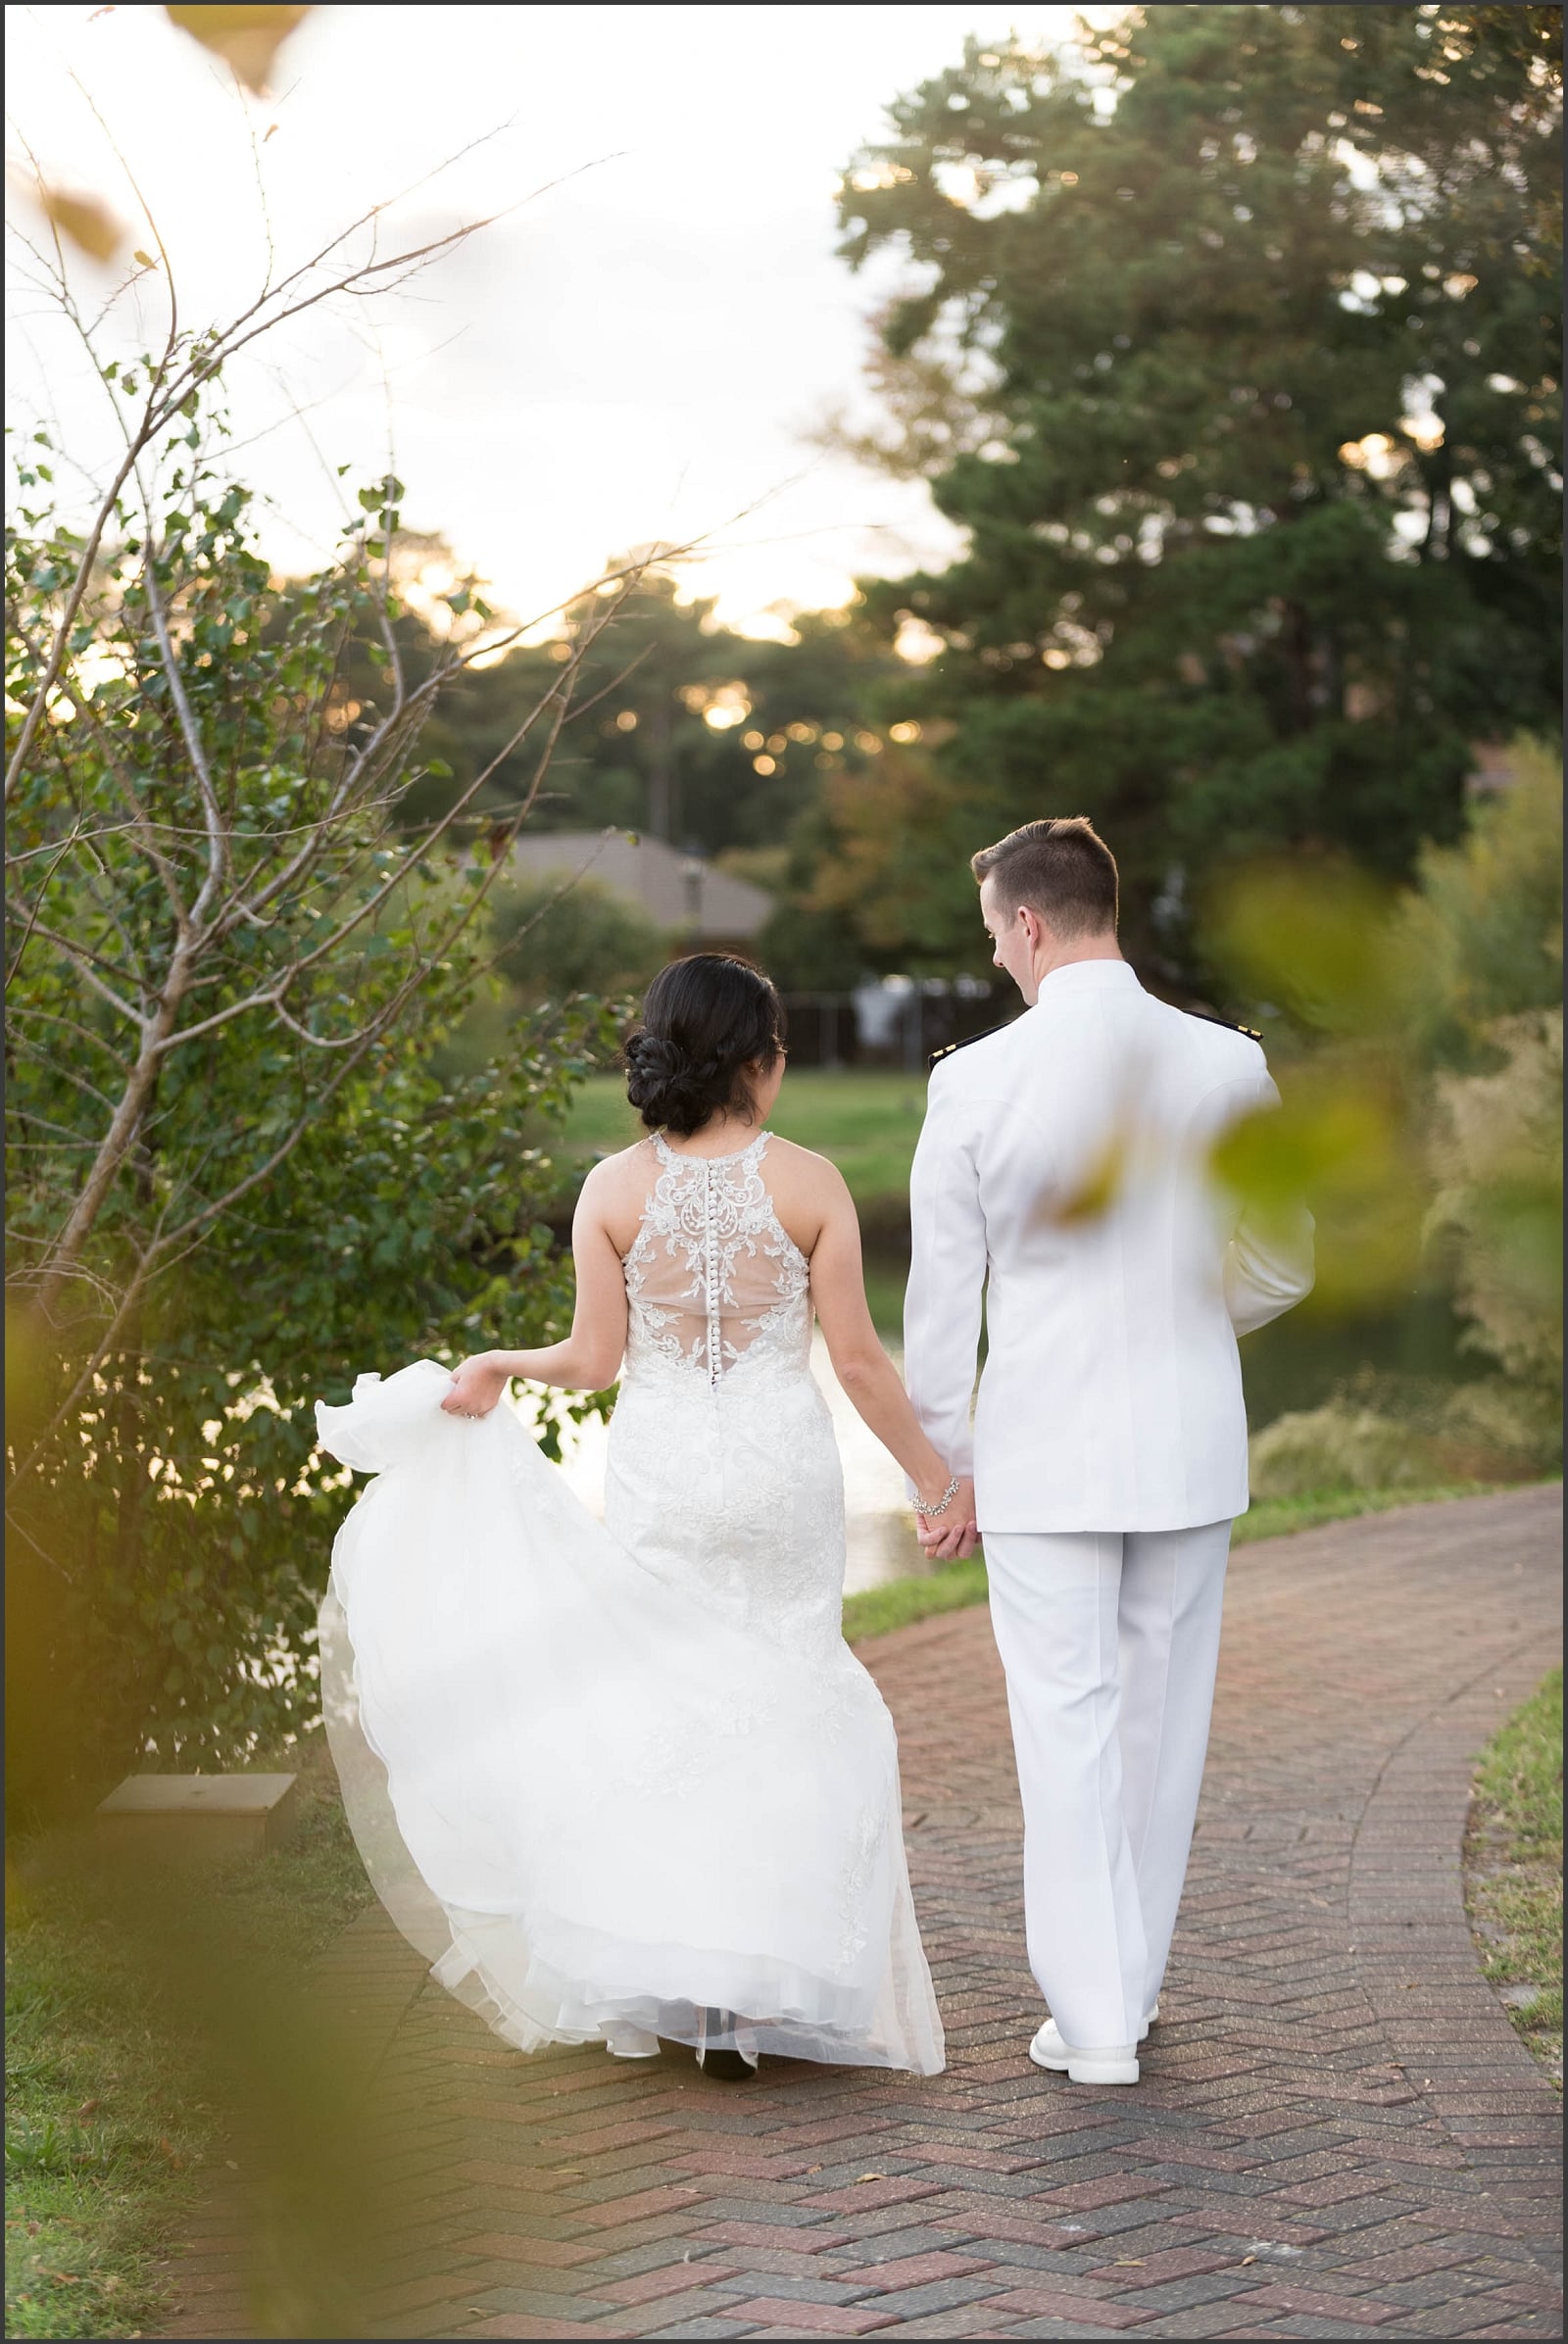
198,1818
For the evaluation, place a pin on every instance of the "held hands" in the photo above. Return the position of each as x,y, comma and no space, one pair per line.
476,1387
951,1535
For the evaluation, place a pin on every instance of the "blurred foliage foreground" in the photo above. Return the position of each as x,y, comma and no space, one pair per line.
1417,1039
168,2032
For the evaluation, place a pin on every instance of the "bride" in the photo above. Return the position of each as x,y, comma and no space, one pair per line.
625,1780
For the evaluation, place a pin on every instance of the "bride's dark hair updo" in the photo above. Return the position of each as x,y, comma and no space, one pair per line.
704,1020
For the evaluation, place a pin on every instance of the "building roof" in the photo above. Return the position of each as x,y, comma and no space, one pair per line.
676,891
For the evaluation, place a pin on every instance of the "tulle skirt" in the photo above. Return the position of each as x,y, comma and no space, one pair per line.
595,1807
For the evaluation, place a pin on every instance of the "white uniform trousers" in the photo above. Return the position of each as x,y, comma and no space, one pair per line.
1109,1640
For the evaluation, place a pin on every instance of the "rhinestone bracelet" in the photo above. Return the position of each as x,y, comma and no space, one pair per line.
943,1502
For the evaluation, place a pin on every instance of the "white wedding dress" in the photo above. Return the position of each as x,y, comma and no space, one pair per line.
609,1778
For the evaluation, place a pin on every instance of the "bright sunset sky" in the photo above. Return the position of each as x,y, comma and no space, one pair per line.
639,354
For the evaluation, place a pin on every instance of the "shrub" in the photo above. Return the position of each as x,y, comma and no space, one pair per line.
552,941
1481,936
1400,1432
1437,1013
237,1169
1338,1446
1497,1155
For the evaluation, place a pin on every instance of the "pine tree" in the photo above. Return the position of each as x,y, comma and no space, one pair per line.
1231,338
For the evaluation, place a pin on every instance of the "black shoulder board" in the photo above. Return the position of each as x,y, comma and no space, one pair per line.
948,1048
1211,1017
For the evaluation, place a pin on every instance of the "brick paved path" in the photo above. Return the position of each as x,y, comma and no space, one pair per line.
1338,2133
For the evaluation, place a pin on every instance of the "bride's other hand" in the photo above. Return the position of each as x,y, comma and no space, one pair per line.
952,1535
476,1387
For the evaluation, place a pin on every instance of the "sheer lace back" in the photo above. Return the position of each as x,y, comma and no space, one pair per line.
712,1279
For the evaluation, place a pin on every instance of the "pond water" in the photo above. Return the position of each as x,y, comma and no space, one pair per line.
881,1539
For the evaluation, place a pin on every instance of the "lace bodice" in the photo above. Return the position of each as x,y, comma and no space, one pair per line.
712,1277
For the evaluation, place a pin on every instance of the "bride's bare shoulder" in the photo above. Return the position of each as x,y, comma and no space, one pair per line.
808,1173
623,1174
808,1190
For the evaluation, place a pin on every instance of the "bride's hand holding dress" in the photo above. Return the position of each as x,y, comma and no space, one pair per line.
478,1386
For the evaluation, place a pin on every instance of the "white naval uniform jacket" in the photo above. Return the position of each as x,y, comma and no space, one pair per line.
1062,1168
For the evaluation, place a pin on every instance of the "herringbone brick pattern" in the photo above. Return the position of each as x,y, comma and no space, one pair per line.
1338,2133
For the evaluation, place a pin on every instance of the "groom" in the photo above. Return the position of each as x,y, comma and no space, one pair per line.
1063,1173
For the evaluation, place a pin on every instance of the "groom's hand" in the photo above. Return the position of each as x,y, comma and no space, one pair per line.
951,1536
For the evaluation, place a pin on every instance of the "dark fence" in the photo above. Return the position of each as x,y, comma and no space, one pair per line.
891,1024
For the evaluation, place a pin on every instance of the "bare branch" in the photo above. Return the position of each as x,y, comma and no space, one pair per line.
83,961
195,747
62,1071
33,916
254,909
68,1025
109,504
68,619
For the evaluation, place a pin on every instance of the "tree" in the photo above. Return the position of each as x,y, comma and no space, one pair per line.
679,727
201,844
235,1172
1231,338
552,940
235,1168
657,745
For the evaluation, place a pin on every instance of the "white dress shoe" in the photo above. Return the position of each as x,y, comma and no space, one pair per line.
1049,2036
1116,2065
630,2042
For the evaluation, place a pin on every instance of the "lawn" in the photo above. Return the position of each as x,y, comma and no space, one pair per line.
866,1119
1513,1868
107,2127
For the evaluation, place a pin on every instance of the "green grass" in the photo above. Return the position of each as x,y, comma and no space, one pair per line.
951,1586
106,2129
112,2108
868,1120
1514,1868
877,1611
1277,1517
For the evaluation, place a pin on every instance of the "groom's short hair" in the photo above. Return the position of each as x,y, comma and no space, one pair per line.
1063,870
